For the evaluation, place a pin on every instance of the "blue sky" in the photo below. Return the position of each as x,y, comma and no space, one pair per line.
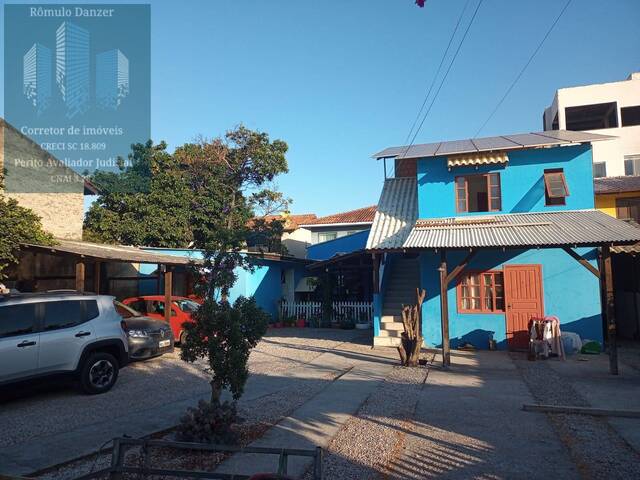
339,80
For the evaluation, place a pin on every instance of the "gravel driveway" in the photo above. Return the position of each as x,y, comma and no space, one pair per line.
59,424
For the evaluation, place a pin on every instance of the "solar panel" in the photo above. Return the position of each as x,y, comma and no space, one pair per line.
532,140
494,143
458,146
419,151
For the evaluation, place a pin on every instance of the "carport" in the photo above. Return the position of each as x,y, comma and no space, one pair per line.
91,258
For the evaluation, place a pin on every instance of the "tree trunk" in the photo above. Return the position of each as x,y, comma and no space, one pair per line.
216,391
411,338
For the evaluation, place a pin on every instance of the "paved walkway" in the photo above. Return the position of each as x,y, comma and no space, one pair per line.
317,421
469,423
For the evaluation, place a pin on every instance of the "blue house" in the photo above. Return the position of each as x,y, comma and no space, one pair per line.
274,278
496,230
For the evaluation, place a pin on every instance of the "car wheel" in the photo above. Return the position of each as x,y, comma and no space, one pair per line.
181,339
99,373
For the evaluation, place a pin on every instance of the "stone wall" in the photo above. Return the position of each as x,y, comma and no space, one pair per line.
42,183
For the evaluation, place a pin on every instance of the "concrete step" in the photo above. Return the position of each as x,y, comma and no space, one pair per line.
390,333
392,326
386,342
391,318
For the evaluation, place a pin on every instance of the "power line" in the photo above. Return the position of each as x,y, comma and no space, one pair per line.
435,76
455,55
535,52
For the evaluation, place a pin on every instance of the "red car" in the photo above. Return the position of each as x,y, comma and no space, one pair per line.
153,306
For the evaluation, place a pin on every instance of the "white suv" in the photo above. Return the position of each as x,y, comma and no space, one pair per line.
44,334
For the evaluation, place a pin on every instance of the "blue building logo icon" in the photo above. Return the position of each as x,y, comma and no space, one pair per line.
73,73
72,67
36,83
112,78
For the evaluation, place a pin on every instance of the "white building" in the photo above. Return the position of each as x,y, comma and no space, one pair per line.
606,108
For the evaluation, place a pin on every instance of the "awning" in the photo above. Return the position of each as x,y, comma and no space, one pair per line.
396,214
477,159
113,253
539,229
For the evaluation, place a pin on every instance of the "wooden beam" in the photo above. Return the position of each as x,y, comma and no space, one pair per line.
583,261
610,310
376,273
456,271
80,276
97,270
444,309
168,287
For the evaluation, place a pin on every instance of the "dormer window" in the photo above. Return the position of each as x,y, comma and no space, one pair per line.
555,187
478,193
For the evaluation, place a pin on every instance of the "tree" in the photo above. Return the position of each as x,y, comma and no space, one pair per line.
229,175
18,225
411,337
147,203
236,330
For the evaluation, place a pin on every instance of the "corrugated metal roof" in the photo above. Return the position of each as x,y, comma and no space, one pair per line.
630,183
544,229
505,142
397,213
116,253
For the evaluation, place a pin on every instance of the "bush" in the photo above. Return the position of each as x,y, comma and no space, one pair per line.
208,423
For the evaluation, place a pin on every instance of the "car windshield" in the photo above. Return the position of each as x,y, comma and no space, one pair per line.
126,312
187,305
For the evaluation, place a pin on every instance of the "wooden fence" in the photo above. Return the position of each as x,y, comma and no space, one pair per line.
360,312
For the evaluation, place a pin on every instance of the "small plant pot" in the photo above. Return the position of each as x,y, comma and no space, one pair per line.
277,325
300,323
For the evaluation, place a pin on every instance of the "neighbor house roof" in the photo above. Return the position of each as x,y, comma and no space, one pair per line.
630,183
488,144
397,227
361,215
291,222
114,253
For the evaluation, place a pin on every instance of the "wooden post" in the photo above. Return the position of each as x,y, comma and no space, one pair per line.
80,276
168,287
610,309
97,267
444,309
376,273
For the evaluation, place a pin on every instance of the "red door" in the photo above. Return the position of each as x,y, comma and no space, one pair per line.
523,298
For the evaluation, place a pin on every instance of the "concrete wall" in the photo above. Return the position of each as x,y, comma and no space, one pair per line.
607,202
341,245
626,93
521,181
341,230
296,242
570,292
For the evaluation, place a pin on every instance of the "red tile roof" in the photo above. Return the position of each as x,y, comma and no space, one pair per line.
361,215
630,183
291,222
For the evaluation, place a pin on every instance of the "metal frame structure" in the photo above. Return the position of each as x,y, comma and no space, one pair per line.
144,469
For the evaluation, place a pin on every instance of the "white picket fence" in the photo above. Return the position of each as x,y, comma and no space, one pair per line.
357,311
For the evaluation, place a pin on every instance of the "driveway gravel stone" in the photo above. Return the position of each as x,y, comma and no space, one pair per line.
46,428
